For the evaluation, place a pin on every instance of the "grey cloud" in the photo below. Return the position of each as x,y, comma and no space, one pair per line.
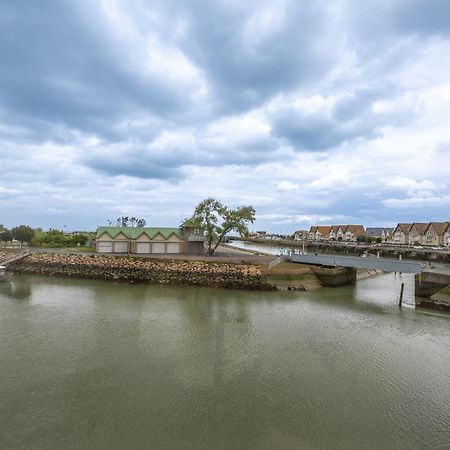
361,101
376,27
317,132
57,68
62,73
246,69
429,17
351,117
384,36
168,160
135,166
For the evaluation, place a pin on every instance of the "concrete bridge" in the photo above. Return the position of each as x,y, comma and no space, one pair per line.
355,262
432,286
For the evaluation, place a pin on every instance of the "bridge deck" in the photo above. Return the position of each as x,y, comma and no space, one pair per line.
387,265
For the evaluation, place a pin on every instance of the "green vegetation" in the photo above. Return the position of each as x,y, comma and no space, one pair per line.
215,220
47,239
22,233
126,221
57,239
5,234
369,239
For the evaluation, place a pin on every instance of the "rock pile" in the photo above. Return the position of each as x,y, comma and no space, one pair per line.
157,271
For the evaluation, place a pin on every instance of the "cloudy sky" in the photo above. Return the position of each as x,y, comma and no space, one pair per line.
311,111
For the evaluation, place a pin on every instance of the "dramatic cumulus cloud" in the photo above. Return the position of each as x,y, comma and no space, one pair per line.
311,111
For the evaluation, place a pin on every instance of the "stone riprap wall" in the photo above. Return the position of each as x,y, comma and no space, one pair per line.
156,271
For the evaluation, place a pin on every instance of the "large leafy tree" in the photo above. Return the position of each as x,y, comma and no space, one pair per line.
22,233
5,235
215,220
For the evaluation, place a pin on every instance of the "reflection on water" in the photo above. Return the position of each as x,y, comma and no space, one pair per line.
16,290
269,248
89,364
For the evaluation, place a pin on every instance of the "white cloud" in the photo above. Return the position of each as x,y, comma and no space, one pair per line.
287,186
7,191
313,219
332,180
409,184
425,200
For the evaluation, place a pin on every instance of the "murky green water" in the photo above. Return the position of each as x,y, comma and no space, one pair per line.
96,365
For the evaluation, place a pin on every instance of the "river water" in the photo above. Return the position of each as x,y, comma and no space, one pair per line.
269,248
97,365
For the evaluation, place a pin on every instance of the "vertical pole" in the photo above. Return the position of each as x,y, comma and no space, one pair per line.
401,295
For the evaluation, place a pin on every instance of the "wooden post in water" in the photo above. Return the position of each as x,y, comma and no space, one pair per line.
401,295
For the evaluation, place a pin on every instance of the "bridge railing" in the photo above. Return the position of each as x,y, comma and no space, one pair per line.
387,265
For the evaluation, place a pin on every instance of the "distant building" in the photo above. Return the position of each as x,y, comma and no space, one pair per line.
385,234
319,232
447,236
401,233
352,232
431,234
336,232
417,234
437,233
148,241
301,235
332,235
258,234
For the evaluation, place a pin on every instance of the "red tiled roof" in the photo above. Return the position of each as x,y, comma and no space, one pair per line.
323,229
357,230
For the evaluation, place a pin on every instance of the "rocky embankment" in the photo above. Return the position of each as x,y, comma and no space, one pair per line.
155,271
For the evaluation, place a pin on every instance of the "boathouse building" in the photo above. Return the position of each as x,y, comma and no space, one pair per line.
145,240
